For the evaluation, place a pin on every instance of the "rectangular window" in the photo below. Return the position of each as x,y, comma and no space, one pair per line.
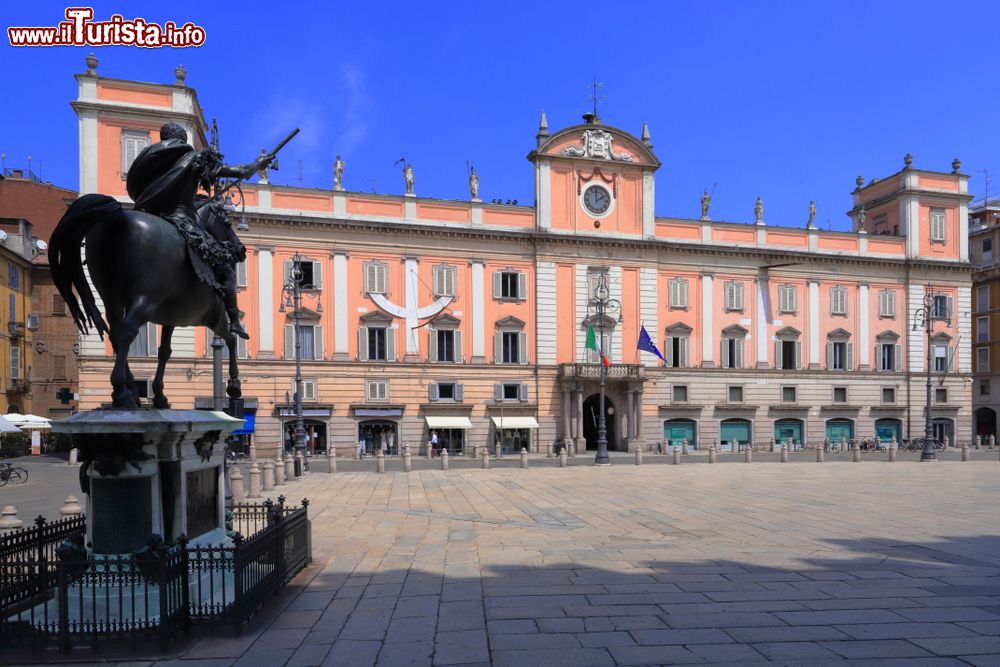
444,280
886,303
680,393
511,347
987,250
840,394
308,389
887,356
132,143
377,343
511,392
679,294
888,395
940,358
788,394
510,285
308,350
938,226
940,309
15,363
839,356
241,274
144,343
446,390
677,351
838,301
377,390
982,329
982,298
788,299
445,345
984,387
375,278
940,395
734,295
732,353
789,351
13,276
982,359
11,308
735,394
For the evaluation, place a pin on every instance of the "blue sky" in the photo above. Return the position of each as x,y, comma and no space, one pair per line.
788,101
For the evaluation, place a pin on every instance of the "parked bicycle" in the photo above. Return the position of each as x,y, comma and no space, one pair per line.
235,457
8,473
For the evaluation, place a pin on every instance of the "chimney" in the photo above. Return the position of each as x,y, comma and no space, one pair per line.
591,118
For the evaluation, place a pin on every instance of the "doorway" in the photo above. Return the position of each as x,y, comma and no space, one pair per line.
591,416
986,422
378,434
676,430
838,430
944,428
887,429
734,430
788,429
315,435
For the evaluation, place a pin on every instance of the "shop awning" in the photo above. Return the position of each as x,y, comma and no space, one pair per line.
515,422
249,421
364,412
437,421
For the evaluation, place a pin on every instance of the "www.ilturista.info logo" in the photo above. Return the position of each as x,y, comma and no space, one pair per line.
79,29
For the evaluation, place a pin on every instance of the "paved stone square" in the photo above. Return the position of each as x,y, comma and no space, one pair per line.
767,562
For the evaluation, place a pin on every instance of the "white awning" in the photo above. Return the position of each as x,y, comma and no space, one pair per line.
515,422
437,421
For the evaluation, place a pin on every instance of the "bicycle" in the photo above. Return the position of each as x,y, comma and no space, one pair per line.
236,457
8,473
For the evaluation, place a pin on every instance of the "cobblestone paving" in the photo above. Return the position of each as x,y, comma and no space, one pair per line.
692,564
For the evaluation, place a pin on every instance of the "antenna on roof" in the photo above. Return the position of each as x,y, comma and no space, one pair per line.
300,173
594,97
372,181
988,181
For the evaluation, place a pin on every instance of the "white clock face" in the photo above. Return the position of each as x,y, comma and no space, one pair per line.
597,200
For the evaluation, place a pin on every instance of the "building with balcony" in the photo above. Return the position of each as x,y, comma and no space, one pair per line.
984,251
469,319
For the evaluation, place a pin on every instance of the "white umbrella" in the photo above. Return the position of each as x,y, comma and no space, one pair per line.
29,422
7,427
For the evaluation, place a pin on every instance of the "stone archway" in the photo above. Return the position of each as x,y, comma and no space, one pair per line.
591,412
986,422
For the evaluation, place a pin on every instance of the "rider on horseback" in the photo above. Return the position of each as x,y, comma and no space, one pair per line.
164,180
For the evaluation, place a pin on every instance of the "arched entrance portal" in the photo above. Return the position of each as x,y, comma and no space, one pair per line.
315,435
591,415
789,429
986,422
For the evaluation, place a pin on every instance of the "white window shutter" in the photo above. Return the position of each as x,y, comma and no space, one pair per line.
798,355
318,342
318,275
432,344
829,355
363,344
951,357
668,352
497,347
739,353
498,392
951,308
154,331
459,357
522,347
879,366
684,353
849,364
459,392
369,279
777,354
724,352
522,392
289,341
497,290
390,343
522,286
684,293
897,360
432,391
287,267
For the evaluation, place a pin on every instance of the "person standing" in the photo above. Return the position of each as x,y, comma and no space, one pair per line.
434,443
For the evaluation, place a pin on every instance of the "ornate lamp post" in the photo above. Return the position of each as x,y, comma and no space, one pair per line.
291,297
600,306
924,317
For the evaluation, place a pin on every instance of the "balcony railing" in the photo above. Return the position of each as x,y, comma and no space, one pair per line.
15,329
593,371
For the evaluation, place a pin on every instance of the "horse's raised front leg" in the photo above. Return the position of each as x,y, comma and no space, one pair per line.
163,356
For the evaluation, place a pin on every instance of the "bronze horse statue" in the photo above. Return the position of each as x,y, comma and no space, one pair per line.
139,264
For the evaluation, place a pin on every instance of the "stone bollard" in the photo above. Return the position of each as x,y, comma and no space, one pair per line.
380,461
485,458
892,451
677,456
775,446
684,446
289,468
524,457
712,453
74,456
254,480
253,452
784,453
993,441
267,479
497,451
734,447
430,451
407,460
965,452
893,444
9,521
856,452
748,454
331,458
947,443
979,442
444,459
638,456
236,485
71,507
819,454
563,459
300,457
843,443
279,473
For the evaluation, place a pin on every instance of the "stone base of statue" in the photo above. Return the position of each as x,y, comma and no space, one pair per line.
150,472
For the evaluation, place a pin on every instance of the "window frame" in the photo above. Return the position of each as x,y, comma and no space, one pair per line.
887,304
980,338
982,367
788,299
940,395
892,391
141,139
444,280
838,297
794,394
678,287
375,383
737,389
376,272
840,389
682,388
938,222
734,296
980,306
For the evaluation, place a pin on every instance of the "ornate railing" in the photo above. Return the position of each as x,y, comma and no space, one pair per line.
593,371
52,596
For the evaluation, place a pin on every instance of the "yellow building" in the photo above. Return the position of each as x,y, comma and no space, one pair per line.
17,246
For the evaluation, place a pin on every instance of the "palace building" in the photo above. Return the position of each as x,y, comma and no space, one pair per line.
470,319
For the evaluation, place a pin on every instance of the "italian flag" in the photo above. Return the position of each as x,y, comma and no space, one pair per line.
592,345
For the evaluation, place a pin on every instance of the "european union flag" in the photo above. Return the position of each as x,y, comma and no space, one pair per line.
646,343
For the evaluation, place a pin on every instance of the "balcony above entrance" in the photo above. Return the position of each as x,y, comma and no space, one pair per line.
593,371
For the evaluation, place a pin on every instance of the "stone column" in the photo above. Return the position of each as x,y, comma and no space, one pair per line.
630,415
567,409
638,415
580,442
407,460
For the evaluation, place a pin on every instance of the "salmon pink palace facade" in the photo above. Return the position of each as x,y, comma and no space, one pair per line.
469,319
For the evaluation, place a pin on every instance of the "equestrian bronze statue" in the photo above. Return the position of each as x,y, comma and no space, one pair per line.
171,260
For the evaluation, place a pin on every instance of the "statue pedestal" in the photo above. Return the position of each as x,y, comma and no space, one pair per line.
149,472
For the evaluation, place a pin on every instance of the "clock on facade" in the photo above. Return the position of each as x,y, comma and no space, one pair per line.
597,200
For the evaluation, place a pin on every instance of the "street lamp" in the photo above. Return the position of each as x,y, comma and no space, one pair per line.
600,306
924,317
291,297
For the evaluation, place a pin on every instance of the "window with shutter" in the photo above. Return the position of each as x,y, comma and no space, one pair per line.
887,303
132,143
982,298
15,363
375,278
788,299
679,293
938,225
377,390
734,295
241,274
838,301
444,280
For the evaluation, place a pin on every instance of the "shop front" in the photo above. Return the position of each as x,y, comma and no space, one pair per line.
738,431
886,429
839,430
514,432
449,432
676,431
378,430
786,430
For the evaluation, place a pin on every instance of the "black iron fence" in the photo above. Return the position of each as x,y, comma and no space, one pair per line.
53,596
